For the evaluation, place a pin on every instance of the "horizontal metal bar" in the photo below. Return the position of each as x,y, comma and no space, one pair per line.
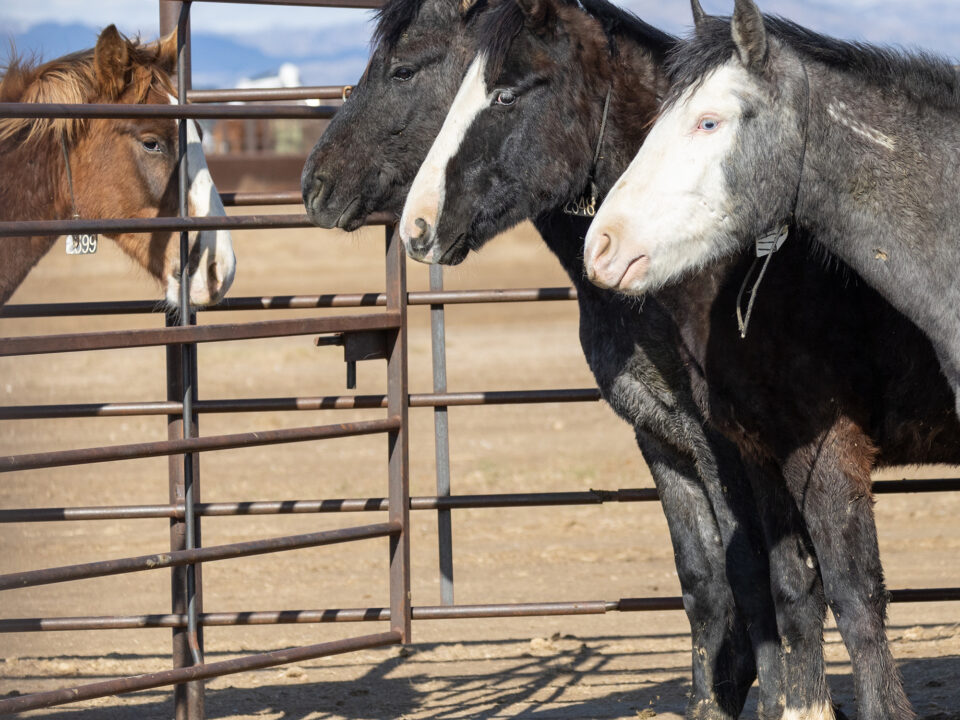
76,342
83,456
330,505
424,502
328,402
296,302
200,111
111,512
426,612
926,485
177,558
315,92
194,672
285,197
31,228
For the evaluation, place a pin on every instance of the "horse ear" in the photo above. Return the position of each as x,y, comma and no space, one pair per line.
167,53
111,62
749,34
698,14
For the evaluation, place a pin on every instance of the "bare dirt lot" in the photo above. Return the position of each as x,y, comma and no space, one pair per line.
612,666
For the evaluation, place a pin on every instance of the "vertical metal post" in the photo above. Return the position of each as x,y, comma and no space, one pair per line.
182,387
398,440
438,343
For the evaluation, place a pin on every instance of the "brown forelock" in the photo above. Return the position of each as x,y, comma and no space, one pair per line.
70,80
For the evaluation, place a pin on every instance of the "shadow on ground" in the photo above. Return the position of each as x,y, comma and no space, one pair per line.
562,678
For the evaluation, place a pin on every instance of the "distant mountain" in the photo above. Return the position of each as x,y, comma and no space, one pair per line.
326,56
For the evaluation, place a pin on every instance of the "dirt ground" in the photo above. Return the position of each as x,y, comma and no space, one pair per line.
626,665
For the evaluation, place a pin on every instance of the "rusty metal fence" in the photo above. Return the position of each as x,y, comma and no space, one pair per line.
380,335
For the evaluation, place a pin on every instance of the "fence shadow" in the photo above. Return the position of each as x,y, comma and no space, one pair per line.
598,679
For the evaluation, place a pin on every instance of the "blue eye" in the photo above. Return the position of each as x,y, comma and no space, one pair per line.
505,97
708,124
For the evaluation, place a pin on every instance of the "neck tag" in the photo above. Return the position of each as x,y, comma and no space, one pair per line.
85,244
772,242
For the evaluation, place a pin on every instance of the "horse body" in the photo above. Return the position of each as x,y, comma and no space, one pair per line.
385,130
118,168
814,422
881,192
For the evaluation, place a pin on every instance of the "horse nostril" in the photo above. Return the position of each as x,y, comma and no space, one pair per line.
424,227
603,246
313,190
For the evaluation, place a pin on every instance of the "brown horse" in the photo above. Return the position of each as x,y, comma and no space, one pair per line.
95,169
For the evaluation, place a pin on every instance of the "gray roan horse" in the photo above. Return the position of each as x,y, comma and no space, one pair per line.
769,124
521,141
366,161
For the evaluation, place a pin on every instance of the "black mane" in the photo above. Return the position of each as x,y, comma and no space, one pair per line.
924,77
502,24
619,21
392,19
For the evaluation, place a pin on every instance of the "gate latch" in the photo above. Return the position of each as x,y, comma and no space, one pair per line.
359,345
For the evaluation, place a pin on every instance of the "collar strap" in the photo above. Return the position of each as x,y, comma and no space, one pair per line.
586,204
772,241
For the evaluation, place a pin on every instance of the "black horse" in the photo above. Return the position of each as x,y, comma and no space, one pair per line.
817,400
366,161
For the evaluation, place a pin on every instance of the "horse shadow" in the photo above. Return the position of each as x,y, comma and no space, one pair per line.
496,680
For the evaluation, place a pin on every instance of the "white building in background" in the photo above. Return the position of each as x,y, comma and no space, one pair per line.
287,76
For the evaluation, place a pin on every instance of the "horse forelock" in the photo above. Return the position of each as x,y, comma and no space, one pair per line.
71,80
924,77
496,32
393,19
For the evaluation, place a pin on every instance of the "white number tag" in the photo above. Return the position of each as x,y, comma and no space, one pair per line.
81,244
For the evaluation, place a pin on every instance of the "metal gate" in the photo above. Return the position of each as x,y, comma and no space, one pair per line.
380,335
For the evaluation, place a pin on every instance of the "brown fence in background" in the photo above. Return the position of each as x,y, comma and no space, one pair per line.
378,335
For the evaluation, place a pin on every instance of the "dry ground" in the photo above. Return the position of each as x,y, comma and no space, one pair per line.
613,666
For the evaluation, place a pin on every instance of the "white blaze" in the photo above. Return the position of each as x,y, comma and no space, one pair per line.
214,273
668,212
425,200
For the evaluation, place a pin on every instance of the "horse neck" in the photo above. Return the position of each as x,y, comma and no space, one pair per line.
879,190
636,80
32,189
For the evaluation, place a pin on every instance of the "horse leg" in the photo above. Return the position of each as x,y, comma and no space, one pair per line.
830,482
729,486
798,598
723,662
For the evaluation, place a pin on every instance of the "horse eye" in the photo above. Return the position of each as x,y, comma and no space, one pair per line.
708,124
151,145
403,73
505,97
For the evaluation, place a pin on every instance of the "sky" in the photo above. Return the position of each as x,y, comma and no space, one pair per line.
932,24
